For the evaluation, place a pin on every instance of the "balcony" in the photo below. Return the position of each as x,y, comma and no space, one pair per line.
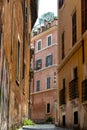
84,90
73,89
62,97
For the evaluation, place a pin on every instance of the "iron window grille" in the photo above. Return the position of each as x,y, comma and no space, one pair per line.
84,90
73,89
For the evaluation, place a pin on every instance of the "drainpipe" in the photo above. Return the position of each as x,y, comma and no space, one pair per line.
31,74
29,109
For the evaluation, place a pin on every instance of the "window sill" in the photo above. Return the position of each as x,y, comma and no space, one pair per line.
48,113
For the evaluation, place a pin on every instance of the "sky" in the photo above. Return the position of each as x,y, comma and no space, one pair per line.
47,6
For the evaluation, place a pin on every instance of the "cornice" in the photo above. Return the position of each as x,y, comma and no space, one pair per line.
48,47
72,52
45,68
43,91
44,33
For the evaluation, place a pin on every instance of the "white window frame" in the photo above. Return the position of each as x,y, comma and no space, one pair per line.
46,82
37,45
51,59
51,40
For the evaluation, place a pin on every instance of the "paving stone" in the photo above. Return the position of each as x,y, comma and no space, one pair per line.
43,127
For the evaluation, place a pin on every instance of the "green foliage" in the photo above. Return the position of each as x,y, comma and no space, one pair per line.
47,16
28,122
49,119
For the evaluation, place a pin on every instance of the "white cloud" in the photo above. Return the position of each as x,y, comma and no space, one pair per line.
47,6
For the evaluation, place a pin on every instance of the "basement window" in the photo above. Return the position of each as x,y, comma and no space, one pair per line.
48,107
76,118
64,120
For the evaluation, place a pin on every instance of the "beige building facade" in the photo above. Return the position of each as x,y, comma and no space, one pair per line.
72,60
44,84
17,20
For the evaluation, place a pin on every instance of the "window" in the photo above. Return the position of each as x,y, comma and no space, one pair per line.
84,15
75,117
48,107
64,83
49,40
61,3
84,90
74,31
63,120
63,46
38,85
38,64
62,94
75,73
39,45
48,60
18,60
48,82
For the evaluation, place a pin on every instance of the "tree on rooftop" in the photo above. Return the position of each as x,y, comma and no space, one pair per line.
49,16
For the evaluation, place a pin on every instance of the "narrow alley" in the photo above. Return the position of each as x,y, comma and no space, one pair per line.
43,64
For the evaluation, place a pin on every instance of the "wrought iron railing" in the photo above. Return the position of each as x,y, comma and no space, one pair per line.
84,90
73,89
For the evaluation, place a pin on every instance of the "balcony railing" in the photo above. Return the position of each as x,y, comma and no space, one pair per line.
73,89
62,97
84,90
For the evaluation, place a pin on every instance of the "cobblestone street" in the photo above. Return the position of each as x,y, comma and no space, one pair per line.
42,127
